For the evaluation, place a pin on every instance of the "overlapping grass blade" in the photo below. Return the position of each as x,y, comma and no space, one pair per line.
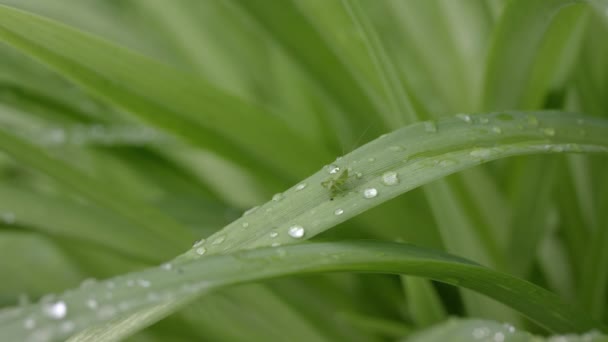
171,100
464,330
159,285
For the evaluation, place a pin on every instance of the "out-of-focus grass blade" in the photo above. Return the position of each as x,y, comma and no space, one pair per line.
424,304
295,32
154,286
465,330
171,100
516,42
96,191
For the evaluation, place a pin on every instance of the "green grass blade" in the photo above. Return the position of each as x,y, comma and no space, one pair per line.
464,330
152,287
515,44
95,190
173,101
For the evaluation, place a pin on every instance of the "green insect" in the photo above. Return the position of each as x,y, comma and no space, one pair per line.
335,183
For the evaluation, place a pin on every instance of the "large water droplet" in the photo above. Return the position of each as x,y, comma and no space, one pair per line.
390,178
56,310
333,169
296,231
370,193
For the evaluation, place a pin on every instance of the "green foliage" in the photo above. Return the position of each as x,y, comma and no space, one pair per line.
130,129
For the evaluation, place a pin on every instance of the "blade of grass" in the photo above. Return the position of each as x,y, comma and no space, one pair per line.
515,44
422,155
464,330
207,274
173,101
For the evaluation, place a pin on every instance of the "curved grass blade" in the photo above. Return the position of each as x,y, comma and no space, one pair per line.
382,170
465,330
400,161
73,311
170,100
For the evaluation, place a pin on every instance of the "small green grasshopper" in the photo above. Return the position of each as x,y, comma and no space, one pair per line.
335,183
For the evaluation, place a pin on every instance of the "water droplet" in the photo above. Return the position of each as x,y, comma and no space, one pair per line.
245,224
481,153
143,283
300,186
359,175
56,310
548,131
166,266
296,231
496,130
251,211
464,117
198,243
430,126
273,234
339,212
91,304
390,178
333,169
483,120
479,333
532,121
8,218
509,327
499,337
218,240
277,197
29,323
446,163
370,193
201,250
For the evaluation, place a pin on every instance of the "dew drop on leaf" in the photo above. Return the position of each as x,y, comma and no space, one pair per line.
339,212
91,304
496,130
430,126
549,131
218,240
370,193
201,250
333,169
277,197
273,234
198,243
300,186
464,117
296,231
390,178
56,310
